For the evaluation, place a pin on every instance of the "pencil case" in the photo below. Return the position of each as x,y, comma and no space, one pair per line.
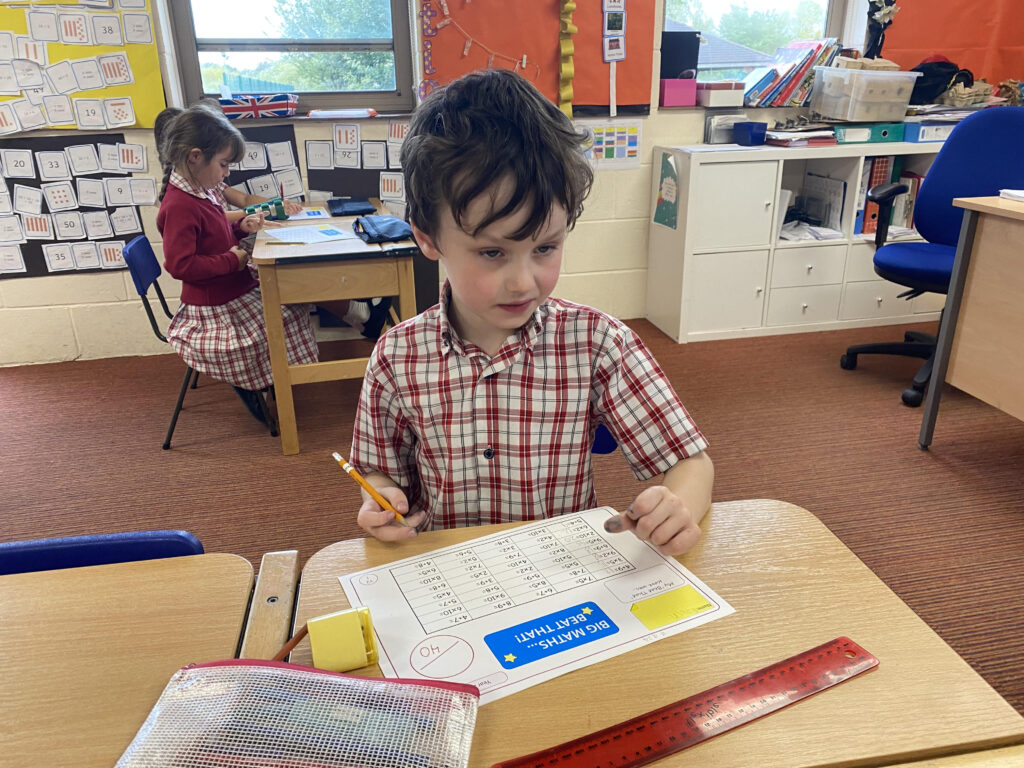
382,229
248,712
348,206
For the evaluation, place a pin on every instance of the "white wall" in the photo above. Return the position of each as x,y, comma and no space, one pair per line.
84,316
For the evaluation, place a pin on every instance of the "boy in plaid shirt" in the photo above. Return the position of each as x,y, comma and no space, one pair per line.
483,408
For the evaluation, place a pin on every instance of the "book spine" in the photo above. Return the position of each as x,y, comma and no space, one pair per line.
881,167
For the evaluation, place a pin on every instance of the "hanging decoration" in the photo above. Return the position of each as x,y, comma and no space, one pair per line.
430,29
566,49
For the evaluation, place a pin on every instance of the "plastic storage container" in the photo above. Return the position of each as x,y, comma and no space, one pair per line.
749,134
861,95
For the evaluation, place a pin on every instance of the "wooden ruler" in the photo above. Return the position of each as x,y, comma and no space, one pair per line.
661,732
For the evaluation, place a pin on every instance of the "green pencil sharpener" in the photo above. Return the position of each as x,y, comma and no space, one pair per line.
274,209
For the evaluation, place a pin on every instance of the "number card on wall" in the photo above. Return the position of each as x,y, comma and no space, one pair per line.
69,208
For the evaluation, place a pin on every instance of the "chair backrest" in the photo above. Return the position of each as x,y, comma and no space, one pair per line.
981,156
95,549
142,263
603,441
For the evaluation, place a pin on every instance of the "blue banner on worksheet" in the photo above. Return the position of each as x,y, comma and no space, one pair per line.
548,635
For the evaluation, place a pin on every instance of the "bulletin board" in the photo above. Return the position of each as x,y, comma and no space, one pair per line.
271,163
90,66
460,37
70,208
985,40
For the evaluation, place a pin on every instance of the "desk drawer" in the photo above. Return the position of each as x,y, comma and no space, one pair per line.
326,280
817,265
810,304
874,298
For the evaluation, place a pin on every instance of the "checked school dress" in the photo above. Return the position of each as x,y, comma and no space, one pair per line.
219,328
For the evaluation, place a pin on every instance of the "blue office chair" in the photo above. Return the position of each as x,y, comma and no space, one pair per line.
145,269
981,156
94,549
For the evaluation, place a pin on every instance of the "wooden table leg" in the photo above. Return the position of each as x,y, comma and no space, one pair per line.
406,289
271,295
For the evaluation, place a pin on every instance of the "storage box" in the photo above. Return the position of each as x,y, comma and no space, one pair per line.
861,95
267,105
749,134
722,93
678,93
870,133
928,131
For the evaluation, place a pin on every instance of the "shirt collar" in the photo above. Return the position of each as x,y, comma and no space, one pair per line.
185,185
449,338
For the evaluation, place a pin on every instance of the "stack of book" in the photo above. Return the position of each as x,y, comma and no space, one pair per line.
787,82
881,170
811,138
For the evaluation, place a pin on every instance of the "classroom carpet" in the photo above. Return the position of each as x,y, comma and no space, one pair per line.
80,452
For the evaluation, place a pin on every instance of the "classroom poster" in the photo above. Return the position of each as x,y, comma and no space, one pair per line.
83,66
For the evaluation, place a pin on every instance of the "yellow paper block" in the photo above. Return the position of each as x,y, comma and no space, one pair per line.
342,641
565,94
567,71
670,607
568,7
568,28
567,109
566,47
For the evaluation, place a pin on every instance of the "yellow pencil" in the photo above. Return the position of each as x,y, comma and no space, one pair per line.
384,503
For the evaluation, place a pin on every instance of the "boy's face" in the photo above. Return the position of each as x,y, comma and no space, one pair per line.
496,282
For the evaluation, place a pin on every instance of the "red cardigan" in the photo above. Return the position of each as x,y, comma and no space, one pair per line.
197,249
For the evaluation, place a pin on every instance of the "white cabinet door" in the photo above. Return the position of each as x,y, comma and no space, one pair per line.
726,290
732,204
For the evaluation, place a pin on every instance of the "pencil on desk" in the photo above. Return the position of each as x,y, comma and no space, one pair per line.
384,503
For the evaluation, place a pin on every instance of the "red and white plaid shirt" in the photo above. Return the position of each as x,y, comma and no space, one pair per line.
474,439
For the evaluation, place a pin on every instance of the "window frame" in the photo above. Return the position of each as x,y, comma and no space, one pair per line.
187,49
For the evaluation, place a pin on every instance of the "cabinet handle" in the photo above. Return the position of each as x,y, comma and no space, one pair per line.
879,300
803,307
809,268
767,203
758,290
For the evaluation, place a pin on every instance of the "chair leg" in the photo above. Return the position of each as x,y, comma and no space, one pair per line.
177,406
267,415
195,380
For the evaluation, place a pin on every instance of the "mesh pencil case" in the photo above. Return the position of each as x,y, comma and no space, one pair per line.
265,713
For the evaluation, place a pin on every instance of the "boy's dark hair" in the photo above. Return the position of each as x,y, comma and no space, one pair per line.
480,129
202,126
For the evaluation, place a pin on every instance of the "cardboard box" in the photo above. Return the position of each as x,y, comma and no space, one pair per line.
723,93
679,93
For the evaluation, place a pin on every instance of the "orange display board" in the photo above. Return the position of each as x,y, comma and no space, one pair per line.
982,37
462,37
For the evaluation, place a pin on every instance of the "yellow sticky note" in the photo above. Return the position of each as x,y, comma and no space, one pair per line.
670,607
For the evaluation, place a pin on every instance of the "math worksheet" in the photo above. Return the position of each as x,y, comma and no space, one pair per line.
512,609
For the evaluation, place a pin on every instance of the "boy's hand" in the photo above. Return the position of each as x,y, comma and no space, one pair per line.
251,223
291,207
381,523
659,516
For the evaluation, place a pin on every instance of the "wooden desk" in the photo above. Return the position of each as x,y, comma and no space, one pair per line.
87,651
979,346
794,585
341,269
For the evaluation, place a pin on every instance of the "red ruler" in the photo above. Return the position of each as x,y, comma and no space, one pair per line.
661,732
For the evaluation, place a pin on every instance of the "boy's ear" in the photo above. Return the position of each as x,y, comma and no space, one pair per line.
426,243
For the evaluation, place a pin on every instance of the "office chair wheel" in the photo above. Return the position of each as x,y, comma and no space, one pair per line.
848,362
912,397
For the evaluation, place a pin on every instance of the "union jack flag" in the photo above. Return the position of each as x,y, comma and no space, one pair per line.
271,105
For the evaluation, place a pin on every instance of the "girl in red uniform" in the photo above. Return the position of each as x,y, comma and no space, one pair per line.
219,328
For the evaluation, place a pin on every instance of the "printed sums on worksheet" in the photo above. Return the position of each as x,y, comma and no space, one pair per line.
512,609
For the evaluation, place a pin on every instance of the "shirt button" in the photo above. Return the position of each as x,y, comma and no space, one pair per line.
488,453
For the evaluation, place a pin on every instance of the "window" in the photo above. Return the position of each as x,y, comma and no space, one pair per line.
332,53
741,36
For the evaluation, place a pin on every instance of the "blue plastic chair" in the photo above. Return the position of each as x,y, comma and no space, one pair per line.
145,269
981,156
94,549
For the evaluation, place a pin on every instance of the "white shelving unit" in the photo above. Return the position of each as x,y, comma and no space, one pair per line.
722,272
